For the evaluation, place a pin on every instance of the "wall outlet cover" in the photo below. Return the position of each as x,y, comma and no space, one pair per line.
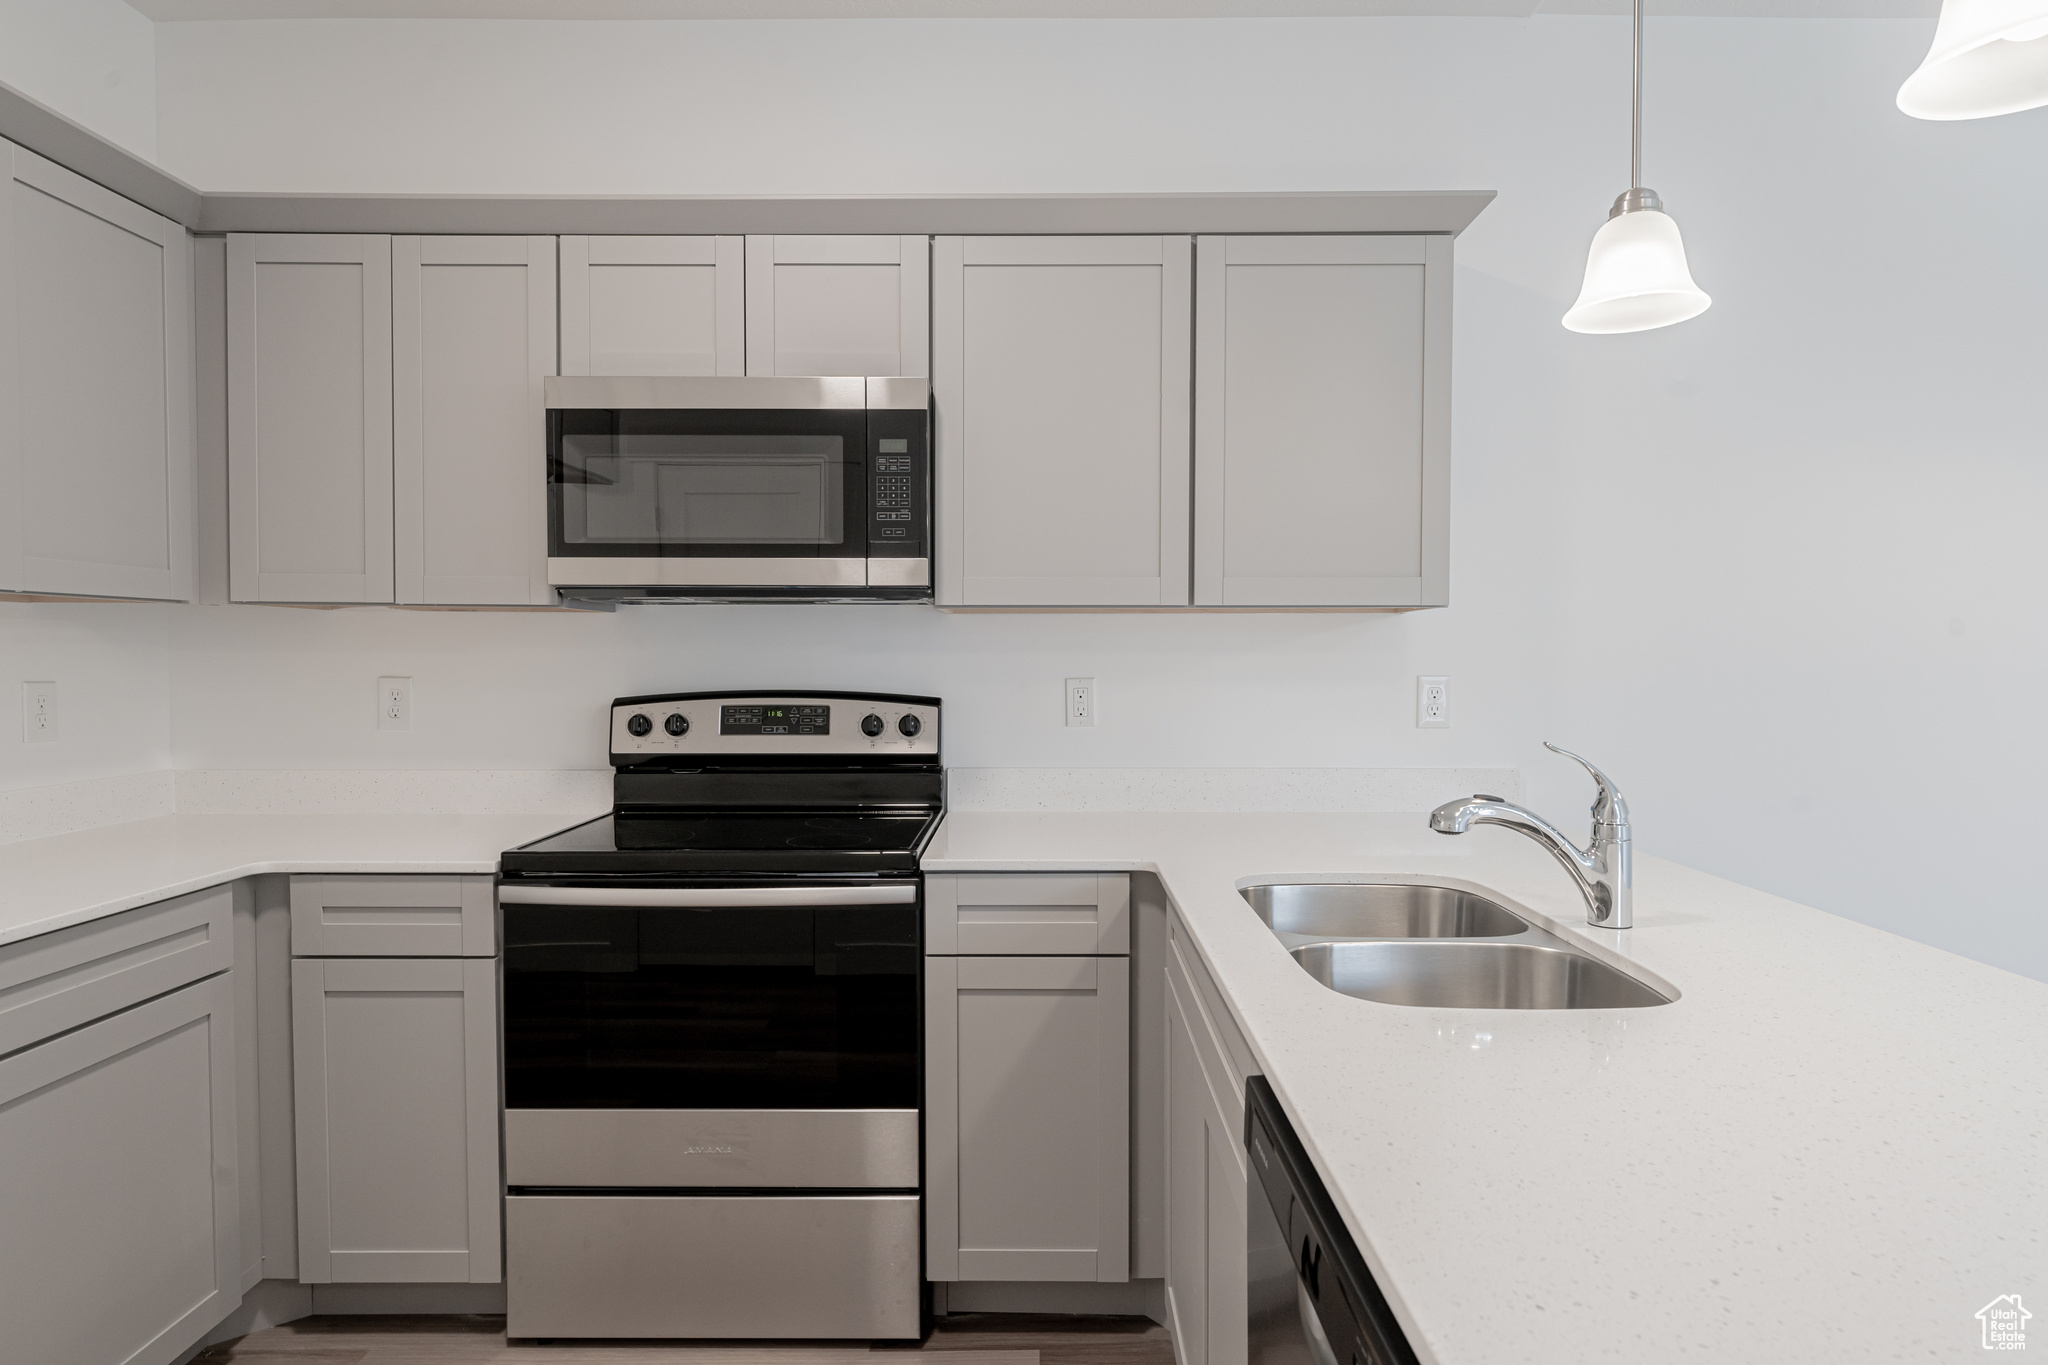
38,712
1081,701
1433,703
394,703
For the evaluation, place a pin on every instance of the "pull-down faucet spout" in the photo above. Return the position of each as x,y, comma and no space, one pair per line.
1602,871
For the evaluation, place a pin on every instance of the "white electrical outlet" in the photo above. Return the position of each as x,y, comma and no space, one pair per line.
1433,703
1081,701
38,712
394,703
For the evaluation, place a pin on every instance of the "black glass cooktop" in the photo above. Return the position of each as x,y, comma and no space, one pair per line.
770,841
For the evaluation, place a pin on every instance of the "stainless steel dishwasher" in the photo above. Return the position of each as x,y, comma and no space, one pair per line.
1310,1299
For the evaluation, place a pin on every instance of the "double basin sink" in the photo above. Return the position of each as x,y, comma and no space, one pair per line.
1436,946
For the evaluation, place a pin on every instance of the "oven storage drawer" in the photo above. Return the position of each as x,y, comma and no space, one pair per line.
814,1149
1033,914
841,1266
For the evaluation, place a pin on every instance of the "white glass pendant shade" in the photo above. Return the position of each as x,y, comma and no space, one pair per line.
1636,277
1989,57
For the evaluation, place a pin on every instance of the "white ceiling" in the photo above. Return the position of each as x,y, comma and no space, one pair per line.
174,10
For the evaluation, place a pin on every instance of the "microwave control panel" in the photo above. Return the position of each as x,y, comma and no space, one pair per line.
899,484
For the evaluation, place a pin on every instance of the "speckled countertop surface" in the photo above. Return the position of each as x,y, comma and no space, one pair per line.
1833,1146
67,879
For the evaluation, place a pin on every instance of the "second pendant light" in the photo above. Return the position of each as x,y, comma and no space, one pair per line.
1636,274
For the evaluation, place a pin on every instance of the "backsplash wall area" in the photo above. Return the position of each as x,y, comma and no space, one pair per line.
1772,569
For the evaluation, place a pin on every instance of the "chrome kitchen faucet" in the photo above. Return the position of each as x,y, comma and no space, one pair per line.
1602,871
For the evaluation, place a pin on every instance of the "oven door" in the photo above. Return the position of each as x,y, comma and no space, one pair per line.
790,994
710,496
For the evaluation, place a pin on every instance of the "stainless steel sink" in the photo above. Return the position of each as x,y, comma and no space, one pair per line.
1487,976
1364,910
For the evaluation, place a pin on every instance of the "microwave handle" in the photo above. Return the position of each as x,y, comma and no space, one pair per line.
708,897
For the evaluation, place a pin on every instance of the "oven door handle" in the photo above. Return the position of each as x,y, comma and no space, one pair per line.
708,897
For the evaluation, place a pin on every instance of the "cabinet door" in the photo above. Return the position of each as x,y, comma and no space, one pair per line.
1060,371
839,305
1322,421
473,339
97,474
1028,1118
653,305
309,418
395,1083
118,1188
1205,1169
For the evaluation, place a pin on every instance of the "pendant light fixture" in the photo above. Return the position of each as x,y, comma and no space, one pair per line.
1989,57
1636,275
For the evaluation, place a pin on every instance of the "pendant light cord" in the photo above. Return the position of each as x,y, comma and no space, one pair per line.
1635,112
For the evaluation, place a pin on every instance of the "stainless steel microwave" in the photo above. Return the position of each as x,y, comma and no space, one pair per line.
739,489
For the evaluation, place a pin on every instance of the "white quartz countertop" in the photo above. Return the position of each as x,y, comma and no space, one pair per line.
1831,1147
67,879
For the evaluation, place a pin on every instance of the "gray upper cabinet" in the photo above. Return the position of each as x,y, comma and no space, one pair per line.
838,305
473,338
97,474
1322,429
309,418
653,305
1061,375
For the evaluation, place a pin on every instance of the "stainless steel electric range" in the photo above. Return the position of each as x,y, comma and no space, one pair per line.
711,1027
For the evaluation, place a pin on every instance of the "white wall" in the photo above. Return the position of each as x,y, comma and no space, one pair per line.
111,664
1773,568
94,61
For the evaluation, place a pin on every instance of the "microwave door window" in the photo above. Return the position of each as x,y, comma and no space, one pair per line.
663,491
714,501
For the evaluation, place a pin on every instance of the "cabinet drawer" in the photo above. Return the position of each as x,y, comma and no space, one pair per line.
57,981
1035,914
393,917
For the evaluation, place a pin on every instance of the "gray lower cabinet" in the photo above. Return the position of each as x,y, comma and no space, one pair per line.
1028,1077
97,473
395,1084
385,916
1206,1063
1322,421
118,1188
1028,1118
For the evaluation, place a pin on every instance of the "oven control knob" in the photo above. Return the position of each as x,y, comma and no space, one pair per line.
871,725
639,725
677,724
910,725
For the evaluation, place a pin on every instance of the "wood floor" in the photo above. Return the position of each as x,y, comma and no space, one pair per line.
962,1339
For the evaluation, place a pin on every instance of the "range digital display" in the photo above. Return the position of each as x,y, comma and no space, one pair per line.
774,720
